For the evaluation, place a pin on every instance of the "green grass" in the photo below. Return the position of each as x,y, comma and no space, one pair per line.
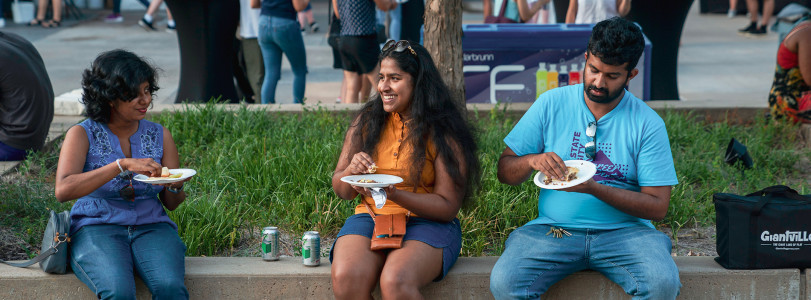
257,169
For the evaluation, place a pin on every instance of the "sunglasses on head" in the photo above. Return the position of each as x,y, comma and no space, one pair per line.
127,192
398,46
591,146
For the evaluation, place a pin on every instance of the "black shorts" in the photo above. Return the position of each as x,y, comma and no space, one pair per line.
336,59
359,53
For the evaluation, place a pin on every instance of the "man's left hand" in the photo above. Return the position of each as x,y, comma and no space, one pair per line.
584,187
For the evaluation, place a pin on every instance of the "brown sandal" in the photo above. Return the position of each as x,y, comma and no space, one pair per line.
36,22
52,23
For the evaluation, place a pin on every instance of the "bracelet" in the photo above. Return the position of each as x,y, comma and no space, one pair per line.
174,190
119,165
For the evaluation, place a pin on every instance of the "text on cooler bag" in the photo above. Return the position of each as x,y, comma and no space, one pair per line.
789,236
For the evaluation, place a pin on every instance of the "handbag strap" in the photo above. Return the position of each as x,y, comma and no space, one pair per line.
371,213
42,256
503,8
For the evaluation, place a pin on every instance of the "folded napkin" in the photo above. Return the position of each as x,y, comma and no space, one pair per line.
380,197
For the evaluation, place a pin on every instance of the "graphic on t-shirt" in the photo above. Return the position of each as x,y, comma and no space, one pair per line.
607,170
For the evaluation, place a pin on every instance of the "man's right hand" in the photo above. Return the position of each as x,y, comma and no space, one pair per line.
514,169
548,163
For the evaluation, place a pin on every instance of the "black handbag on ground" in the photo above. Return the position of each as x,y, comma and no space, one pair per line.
767,229
53,256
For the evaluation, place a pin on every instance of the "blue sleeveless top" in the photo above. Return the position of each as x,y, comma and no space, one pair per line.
105,205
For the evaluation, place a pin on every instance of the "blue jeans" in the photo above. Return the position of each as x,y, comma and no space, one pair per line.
104,257
636,258
8,153
277,36
396,23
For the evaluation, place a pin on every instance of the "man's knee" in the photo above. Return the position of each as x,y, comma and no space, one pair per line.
660,285
501,281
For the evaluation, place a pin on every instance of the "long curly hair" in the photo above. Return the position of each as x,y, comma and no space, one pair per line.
115,76
434,116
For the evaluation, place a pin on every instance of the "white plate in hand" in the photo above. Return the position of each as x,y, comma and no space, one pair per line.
381,180
587,170
161,180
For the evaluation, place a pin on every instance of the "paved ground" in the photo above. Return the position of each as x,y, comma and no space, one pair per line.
717,67
715,63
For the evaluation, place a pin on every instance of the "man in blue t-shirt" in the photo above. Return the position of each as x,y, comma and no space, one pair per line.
602,224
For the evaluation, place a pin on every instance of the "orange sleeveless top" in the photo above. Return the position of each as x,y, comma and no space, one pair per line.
392,157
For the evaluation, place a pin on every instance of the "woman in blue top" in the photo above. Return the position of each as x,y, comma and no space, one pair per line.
279,33
117,224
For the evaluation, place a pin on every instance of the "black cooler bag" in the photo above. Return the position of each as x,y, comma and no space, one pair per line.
767,229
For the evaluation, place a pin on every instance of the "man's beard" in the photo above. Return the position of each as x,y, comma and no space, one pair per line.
607,96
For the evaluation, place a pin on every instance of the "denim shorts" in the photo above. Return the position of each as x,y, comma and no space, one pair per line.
447,236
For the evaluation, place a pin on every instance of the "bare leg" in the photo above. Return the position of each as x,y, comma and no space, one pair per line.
408,269
57,10
371,78
153,7
355,268
768,10
353,84
751,5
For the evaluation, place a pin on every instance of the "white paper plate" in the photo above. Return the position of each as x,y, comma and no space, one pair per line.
382,180
587,170
161,180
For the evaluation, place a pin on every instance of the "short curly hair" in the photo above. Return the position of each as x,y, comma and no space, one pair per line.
115,76
617,41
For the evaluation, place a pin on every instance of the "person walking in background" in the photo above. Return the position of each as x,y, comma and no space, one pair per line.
306,19
253,66
119,226
115,16
26,98
279,34
602,223
358,44
395,22
42,9
733,9
147,21
754,29
790,95
519,11
413,111
593,11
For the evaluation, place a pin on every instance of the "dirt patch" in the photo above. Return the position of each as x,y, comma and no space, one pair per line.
12,247
697,241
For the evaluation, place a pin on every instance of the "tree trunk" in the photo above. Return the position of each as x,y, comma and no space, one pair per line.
443,39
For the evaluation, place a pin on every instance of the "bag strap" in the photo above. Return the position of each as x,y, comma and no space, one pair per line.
371,213
503,8
781,191
42,256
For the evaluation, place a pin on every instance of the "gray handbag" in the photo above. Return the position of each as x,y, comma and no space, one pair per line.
53,256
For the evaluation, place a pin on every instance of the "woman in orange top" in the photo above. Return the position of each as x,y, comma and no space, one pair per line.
412,129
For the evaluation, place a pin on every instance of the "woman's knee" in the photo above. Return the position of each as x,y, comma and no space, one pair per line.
348,280
116,289
170,288
398,284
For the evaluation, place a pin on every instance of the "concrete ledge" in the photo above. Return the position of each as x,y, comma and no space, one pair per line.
252,278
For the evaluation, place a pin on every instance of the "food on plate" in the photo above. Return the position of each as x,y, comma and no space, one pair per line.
166,174
571,174
372,169
366,181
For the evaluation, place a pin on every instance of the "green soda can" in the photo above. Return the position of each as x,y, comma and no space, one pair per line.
270,243
311,249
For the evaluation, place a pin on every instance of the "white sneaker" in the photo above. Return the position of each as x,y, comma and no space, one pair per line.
2,22
730,14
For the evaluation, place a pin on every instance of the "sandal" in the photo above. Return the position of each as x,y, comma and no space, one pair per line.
36,22
52,23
